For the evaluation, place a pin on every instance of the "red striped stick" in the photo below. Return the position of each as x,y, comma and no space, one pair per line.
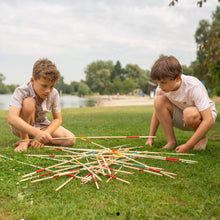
94,137
33,177
93,143
48,168
58,175
113,174
143,170
117,178
71,177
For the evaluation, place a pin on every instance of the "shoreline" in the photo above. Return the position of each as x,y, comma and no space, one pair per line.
123,100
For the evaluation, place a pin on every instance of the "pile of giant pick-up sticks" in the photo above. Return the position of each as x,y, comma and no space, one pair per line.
88,165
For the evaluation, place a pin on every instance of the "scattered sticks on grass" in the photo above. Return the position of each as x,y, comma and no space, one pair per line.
88,165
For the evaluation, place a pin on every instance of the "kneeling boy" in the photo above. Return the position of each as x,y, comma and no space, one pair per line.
181,101
29,105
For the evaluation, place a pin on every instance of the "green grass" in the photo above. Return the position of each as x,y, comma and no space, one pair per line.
194,194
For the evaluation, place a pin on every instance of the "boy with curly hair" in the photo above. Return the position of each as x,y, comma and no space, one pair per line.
29,105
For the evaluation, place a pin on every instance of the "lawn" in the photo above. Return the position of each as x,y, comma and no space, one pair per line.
193,194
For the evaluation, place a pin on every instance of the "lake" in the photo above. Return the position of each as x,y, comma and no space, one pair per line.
66,101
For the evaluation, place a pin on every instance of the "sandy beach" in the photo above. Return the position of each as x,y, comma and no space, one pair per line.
124,101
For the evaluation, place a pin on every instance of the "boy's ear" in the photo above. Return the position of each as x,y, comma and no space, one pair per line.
32,80
178,77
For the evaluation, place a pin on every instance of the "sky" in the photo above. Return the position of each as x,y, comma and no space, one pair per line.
75,33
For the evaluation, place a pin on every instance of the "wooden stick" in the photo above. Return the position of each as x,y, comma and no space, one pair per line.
95,137
21,162
66,182
58,175
113,175
48,168
140,169
94,143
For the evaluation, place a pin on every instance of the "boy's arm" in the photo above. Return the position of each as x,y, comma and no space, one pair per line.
205,125
153,129
56,123
16,121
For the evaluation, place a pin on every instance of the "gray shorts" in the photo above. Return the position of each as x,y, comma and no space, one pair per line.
178,119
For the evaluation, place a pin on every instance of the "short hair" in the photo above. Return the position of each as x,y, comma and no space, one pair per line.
46,69
166,67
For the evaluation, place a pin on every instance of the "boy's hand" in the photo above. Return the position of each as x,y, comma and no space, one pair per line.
149,142
183,149
44,137
36,144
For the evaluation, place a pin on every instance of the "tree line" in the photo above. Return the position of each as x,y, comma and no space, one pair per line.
105,77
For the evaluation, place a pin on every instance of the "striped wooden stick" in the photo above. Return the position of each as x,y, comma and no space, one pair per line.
21,162
92,137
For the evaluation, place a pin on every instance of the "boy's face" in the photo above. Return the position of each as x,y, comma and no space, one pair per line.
42,87
168,85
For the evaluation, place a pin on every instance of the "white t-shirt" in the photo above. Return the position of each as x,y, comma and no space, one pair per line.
50,104
191,93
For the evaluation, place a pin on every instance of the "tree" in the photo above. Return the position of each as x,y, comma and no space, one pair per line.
102,81
12,87
212,52
3,88
129,85
117,71
201,37
74,87
62,87
199,2
83,89
187,70
208,54
98,76
139,76
117,85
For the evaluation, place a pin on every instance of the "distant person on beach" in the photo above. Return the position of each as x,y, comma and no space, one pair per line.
181,101
29,105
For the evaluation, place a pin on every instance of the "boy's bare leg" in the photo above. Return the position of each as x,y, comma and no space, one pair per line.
27,114
164,113
63,132
192,119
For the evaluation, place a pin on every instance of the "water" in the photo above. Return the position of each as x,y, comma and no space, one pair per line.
66,101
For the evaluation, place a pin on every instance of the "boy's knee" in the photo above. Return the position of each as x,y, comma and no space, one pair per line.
28,106
70,142
160,102
191,116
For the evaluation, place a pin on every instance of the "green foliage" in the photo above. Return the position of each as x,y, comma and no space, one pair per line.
2,77
74,87
199,2
106,78
117,71
194,194
83,89
129,85
207,37
3,89
98,74
62,87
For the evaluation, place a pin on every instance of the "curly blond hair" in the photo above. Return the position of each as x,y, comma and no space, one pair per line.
46,69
